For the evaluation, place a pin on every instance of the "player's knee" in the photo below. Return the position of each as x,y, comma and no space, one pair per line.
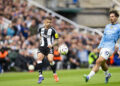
40,57
50,60
98,61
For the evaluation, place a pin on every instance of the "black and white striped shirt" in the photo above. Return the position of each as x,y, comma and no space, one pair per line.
47,36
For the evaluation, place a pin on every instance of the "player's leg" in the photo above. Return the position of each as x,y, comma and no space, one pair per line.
53,66
95,69
99,61
104,66
105,69
39,63
52,63
104,55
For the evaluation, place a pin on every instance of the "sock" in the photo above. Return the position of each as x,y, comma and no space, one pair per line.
53,67
92,73
40,75
39,63
106,72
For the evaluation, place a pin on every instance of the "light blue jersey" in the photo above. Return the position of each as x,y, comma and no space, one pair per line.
110,37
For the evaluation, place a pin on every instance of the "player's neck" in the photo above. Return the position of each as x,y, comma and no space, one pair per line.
47,27
113,23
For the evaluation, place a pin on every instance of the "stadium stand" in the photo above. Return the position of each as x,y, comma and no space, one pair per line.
21,19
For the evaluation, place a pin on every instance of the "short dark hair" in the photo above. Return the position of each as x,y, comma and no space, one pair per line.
49,18
114,12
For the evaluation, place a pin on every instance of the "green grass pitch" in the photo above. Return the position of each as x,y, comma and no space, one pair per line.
67,78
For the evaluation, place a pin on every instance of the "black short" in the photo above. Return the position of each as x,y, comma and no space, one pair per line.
2,60
45,50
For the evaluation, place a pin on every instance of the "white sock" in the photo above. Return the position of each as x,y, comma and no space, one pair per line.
38,62
40,75
52,63
92,73
54,73
106,72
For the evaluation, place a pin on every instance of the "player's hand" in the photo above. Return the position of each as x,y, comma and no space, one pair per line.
49,46
119,53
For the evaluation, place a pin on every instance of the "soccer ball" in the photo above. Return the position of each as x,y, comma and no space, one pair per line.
31,67
63,49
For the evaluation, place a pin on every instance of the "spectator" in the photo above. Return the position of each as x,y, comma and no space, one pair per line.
19,26
4,61
83,56
12,55
21,62
72,55
1,23
33,27
57,58
24,30
20,38
10,31
92,58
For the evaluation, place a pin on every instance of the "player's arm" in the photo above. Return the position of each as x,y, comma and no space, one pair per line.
102,40
56,36
101,43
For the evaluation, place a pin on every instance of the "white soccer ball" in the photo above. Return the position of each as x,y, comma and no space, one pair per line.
31,67
63,49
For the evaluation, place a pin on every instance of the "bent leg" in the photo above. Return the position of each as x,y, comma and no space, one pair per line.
53,66
99,62
96,67
104,66
105,69
52,63
39,62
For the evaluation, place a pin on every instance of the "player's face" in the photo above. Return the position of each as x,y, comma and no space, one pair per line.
47,22
113,18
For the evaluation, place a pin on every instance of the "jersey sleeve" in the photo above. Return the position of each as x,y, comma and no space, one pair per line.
55,34
39,30
102,41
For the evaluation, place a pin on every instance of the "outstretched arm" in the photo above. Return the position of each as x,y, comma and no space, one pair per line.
101,43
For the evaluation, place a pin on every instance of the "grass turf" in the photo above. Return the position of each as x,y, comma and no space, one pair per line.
67,78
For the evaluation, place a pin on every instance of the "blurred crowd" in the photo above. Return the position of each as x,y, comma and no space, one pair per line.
20,41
